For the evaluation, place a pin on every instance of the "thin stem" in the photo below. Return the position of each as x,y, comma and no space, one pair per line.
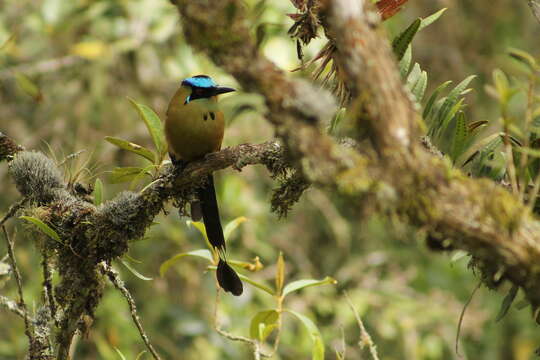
18,280
365,338
257,353
12,210
462,315
119,284
11,306
528,121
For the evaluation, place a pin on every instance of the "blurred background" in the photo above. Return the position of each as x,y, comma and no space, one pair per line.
66,71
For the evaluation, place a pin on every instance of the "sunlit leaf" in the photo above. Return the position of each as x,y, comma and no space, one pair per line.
317,352
120,354
230,227
453,98
301,284
89,49
524,58
528,151
124,174
154,126
260,323
98,192
431,18
458,255
419,87
257,284
46,229
135,272
405,62
201,253
29,87
134,148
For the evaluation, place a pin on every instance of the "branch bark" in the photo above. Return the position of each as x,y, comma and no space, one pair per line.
476,214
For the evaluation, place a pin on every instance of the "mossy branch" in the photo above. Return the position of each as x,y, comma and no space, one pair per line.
90,235
477,215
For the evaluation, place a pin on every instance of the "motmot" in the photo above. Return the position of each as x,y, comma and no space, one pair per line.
194,127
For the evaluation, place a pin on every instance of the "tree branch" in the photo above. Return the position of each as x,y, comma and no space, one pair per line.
476,214
114,277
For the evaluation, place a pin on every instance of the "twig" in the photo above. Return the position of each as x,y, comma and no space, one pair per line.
11,306
119,284
12,210
463,314
19,286
257,353
39,67
47,285
365,338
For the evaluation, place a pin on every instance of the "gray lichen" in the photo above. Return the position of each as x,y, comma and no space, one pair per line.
36,176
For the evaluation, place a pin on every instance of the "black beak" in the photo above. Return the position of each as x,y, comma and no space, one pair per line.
222,90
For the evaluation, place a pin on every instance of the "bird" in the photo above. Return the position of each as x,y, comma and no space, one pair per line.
194,127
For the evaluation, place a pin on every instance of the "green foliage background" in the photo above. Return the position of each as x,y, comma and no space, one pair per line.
66,71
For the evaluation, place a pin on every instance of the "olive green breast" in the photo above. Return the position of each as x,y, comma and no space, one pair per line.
193,129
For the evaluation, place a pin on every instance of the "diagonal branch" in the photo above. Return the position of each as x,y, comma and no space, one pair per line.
114,277
477,215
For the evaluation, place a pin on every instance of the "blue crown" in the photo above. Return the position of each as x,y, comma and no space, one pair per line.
201,81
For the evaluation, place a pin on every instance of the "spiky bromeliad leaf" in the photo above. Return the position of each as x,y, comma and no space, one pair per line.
431,19
401,42
405,62
433,98
453,97
461,135
418,89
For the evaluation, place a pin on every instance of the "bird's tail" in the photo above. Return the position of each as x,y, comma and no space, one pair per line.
227,277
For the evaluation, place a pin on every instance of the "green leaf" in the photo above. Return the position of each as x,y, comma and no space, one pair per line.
401,42
201,253
445,122
461,135
507,302
230,227
458,255
98,192
431,19
256,284
262,324
124,174
248,280
120,354
137,179
317,352
453,98
300,284
280,273
135,272
528,151
140,354
414,75
419,87
477,125
405,62
134,148
154,125
46,229
28,87
433,98
524,58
